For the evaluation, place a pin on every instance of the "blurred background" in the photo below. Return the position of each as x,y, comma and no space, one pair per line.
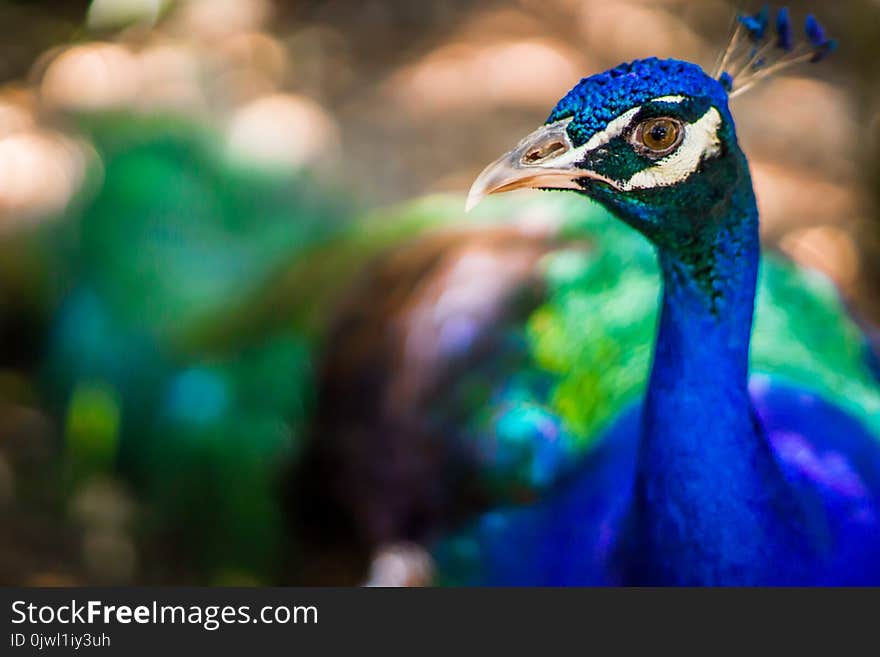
163,163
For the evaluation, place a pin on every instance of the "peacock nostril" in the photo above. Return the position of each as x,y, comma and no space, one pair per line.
543,152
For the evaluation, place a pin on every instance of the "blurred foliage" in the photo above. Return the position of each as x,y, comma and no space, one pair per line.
172,239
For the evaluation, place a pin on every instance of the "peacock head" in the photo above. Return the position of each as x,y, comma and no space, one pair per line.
644,139
649,138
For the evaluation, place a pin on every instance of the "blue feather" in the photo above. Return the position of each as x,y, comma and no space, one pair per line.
756,24
571,537
815,32
785,38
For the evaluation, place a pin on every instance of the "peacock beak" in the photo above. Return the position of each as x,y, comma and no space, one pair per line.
543,160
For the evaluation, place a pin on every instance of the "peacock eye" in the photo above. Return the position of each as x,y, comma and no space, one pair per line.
659,136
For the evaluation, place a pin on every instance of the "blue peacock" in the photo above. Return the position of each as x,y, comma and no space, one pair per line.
534,418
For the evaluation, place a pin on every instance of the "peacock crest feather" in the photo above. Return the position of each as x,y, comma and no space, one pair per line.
758,50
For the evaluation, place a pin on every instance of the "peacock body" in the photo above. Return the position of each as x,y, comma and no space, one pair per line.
714,477
572,441
721,455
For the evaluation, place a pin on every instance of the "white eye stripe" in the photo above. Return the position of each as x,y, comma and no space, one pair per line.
672,100
614,129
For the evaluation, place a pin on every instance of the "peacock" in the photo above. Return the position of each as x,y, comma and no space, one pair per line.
510,397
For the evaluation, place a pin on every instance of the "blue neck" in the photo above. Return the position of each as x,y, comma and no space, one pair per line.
711,504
